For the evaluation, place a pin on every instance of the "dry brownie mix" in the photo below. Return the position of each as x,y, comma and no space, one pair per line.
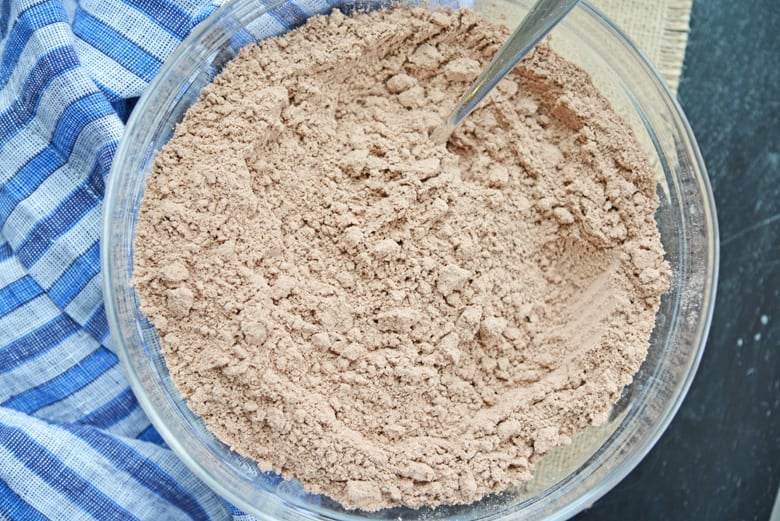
387,320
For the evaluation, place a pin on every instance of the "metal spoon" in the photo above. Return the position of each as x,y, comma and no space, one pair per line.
539,21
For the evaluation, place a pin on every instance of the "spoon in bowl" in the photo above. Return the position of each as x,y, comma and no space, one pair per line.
539,21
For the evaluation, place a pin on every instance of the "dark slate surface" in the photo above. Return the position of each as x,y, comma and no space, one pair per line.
720,458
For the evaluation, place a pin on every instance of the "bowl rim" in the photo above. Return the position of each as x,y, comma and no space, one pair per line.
574,504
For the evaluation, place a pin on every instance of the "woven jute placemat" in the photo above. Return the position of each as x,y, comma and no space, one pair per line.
658,27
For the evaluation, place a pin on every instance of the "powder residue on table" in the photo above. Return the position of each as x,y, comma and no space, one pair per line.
390,321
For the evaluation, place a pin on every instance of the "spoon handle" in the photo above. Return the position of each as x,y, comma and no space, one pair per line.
542,17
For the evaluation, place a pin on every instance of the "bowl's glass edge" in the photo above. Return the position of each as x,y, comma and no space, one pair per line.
567,510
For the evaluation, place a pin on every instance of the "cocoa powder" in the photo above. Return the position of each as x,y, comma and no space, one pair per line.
390,321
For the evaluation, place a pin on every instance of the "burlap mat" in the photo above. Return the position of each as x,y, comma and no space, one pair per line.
658,27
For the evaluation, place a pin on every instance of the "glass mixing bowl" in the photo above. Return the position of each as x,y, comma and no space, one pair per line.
569,478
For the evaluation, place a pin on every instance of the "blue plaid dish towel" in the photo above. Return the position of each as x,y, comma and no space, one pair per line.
74,443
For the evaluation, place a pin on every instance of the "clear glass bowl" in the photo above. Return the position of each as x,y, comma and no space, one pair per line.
570,478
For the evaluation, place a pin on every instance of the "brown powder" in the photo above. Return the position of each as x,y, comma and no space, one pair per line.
389,321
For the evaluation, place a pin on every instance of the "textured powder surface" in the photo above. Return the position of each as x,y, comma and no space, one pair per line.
389,321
